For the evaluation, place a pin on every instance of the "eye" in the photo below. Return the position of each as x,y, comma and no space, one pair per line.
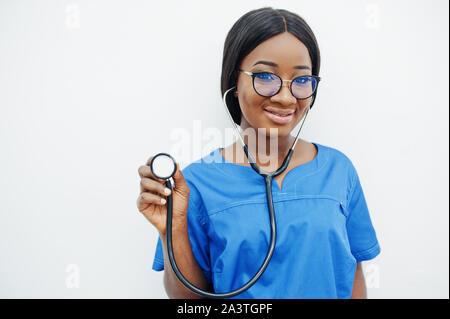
302,80
265,76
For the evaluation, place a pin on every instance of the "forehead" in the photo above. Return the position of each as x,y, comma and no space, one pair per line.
284,49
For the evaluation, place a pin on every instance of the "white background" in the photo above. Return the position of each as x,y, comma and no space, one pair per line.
87,94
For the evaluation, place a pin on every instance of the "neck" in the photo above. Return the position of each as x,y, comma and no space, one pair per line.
269,150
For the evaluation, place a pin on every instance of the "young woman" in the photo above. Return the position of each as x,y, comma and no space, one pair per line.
221,224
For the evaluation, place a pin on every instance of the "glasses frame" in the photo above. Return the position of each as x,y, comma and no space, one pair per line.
253,75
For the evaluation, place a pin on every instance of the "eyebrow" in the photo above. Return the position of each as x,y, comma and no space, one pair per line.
300,67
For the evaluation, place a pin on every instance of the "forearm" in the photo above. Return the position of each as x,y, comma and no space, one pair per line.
186,263
359,285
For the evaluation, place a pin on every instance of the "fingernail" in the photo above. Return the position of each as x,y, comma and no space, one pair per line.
167,191
163,200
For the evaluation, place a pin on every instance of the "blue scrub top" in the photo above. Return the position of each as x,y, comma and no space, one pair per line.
323,226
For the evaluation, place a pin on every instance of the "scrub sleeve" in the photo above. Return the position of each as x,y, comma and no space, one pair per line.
361,233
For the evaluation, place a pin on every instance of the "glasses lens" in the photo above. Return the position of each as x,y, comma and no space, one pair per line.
266,84
303,86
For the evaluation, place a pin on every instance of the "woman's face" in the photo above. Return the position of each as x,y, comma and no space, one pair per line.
289,58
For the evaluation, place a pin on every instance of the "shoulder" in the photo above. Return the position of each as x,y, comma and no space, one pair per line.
341,167
340,163
337,156
200,173
203,167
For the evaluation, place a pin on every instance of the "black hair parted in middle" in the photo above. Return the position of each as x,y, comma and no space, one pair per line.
252,29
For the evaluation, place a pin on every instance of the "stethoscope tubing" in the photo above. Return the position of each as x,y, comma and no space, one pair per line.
268,176
207,294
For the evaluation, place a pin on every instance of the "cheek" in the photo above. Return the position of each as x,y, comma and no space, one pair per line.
250,102
303,104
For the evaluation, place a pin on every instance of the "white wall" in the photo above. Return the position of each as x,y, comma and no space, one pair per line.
80,112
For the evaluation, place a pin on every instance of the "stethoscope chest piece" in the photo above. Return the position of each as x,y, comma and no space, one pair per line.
163,166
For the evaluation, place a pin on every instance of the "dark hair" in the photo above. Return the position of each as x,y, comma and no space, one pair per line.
252,29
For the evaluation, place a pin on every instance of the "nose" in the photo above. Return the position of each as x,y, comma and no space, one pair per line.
284,96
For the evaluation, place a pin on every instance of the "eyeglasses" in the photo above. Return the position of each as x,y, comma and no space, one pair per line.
269,84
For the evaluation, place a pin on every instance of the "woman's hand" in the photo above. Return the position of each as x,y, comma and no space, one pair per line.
152,201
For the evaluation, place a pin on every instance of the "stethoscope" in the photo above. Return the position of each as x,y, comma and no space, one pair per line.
163,166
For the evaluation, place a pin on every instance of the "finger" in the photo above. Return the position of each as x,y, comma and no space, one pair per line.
148,184
149,198
180,182
144,171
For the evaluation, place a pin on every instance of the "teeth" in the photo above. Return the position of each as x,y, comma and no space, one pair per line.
280,114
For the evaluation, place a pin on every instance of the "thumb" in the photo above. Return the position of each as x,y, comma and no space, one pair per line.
180,183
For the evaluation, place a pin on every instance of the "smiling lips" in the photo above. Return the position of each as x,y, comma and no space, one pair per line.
279,116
